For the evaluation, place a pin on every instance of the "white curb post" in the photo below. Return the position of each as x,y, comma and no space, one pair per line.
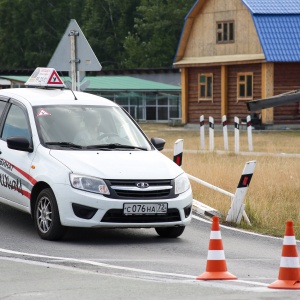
202,136
236,210
249,131
225,132
211,134
178,149
236,135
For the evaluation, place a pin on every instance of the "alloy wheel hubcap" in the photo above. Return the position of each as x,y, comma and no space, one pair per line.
44,214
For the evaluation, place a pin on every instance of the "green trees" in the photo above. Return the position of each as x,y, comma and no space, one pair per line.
122,33
153,40
105,24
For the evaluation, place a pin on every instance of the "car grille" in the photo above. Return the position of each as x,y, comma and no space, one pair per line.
128,189
117,216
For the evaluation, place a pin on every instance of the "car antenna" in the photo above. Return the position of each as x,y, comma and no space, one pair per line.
73,94
68,86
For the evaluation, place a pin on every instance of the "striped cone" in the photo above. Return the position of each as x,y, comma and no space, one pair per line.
216,268
289,271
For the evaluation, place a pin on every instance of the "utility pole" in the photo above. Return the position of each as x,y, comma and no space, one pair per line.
74,60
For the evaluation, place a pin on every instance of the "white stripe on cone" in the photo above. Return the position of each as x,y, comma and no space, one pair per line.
289,262
216,255
215,235
289,240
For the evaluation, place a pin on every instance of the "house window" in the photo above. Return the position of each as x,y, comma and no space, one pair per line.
225,32
245,86
205,87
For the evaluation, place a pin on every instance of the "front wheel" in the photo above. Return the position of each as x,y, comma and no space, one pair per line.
46,216
170,232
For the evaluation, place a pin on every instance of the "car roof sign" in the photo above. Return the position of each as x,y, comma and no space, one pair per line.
45,77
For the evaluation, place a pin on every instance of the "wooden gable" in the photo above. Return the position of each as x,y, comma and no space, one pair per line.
198,43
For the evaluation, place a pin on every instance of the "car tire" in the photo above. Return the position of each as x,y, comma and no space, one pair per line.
170,232
46,216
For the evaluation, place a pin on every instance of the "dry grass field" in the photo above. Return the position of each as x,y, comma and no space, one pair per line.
273,196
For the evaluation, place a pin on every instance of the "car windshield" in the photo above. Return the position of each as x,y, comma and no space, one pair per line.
88,127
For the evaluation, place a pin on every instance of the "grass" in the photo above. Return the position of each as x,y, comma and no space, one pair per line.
273,196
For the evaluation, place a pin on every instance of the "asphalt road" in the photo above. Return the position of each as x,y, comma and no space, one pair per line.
132,263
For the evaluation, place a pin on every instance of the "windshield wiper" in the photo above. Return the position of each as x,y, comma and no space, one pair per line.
65,144
115,146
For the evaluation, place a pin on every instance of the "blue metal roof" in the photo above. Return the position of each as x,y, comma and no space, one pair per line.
278,27
273,6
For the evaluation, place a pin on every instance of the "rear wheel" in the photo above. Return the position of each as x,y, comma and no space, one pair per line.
170,232
46,216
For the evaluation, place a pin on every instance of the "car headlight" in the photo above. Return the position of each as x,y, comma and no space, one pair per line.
89,184
182,184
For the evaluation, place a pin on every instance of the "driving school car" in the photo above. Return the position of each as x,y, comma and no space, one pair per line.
75,159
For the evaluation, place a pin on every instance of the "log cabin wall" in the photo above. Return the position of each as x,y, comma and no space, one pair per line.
201,51
204,107
239,108
286,78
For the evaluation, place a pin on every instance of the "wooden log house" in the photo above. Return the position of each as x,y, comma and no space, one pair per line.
234,51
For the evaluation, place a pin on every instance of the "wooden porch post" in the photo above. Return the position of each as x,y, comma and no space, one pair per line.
267,90
184,96
224,89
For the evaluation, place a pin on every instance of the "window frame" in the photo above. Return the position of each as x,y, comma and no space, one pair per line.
221,31
22,107
245,83
206,97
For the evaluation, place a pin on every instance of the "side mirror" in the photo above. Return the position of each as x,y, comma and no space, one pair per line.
19,143
158,143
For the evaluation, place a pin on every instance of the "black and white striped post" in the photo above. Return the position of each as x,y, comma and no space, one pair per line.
225,132
178,150
249,131
202,134
211,134
236,135
237,209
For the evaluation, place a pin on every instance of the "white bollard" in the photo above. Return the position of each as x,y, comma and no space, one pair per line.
211,134
249,131
236,135
178,149
202,134
236,210
225,132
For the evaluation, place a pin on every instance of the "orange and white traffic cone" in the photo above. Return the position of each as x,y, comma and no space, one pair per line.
289,271
216,268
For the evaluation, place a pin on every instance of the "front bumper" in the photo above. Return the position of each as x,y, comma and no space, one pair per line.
106,212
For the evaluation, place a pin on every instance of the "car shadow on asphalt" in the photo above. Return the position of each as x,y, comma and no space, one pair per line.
116,236
17,223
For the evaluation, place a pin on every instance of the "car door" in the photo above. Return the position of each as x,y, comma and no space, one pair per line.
15,181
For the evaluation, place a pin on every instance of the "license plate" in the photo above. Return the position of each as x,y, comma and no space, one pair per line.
145,209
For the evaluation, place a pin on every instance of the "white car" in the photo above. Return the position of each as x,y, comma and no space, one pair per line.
76,159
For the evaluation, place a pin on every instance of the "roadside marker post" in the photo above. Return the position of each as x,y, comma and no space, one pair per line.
178,149
202,134
236,135
211,134
225,132
249,131
237,209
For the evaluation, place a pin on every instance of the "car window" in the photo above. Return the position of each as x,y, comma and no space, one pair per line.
15,124
87,126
